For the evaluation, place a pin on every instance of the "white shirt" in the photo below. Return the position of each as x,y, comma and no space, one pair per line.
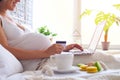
23,39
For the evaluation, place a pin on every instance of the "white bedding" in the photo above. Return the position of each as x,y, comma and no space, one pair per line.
112,74
115,75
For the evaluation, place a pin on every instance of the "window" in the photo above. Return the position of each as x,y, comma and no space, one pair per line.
87,23
62,17
23,12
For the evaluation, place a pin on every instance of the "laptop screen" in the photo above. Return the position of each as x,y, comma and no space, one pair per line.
96,36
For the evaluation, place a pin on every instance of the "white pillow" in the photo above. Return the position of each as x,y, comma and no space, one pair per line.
8,63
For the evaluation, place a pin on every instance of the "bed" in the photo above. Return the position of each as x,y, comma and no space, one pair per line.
12,69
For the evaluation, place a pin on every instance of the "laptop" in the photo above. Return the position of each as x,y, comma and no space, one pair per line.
94,41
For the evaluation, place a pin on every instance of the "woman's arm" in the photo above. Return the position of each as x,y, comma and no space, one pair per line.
19,53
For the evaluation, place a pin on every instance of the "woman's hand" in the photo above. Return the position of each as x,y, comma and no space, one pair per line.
55,49
71,46
58,48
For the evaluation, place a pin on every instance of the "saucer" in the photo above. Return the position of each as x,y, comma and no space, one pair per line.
73,69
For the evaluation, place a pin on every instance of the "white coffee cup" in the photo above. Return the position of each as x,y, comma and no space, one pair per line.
63,61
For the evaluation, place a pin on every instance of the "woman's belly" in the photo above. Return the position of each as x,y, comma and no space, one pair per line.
31,41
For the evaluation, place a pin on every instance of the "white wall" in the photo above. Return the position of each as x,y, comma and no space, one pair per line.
56,14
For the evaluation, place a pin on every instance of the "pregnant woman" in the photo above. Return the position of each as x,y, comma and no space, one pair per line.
21,42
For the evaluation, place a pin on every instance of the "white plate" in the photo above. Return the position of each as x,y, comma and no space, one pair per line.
73,69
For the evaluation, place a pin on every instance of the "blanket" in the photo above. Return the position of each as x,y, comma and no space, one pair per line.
46,73
37,75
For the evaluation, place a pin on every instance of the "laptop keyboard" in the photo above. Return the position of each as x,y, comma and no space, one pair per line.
84,52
